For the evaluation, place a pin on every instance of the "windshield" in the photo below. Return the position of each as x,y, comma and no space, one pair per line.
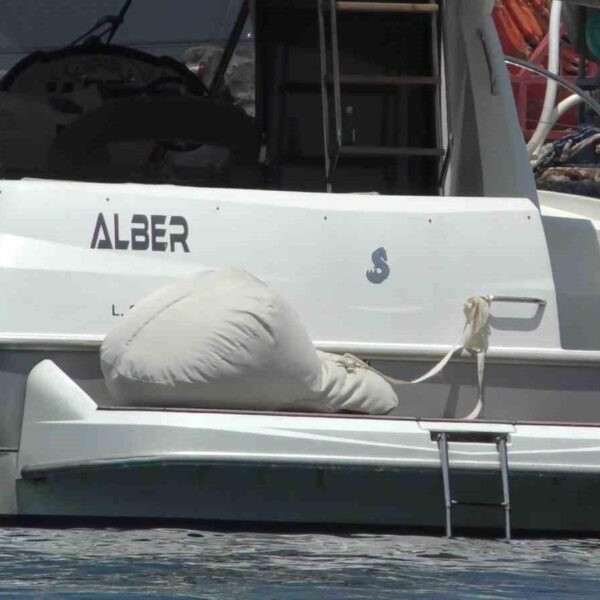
158,27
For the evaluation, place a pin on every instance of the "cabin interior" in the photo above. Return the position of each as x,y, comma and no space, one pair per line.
330,109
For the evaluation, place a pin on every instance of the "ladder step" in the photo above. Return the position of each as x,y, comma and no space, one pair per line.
487,504
364,81
385,151
392,80
399,7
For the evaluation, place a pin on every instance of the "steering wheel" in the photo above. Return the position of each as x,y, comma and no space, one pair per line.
80,150
20,75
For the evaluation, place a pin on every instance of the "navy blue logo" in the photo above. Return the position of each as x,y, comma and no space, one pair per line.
381,271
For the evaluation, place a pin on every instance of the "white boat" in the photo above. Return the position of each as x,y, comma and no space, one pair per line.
112,186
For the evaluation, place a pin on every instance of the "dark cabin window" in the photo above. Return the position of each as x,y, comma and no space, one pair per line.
144,107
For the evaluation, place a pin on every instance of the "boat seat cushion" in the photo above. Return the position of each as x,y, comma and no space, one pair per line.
225,340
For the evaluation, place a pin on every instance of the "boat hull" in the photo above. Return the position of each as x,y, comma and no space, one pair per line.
77,460
326,495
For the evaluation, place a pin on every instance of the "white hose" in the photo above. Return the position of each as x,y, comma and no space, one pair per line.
561,108
539,135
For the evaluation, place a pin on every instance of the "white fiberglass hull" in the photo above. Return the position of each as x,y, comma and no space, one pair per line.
65,287
76,460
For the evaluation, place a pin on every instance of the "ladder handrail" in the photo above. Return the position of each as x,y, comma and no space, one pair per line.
443,450
501,445
324,96
335,58
449,503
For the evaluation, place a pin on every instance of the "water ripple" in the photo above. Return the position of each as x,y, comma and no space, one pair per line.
108,563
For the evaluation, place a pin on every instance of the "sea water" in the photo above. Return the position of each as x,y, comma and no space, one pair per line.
176,563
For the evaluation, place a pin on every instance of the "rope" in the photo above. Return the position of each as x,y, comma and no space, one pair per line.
473,339
565,148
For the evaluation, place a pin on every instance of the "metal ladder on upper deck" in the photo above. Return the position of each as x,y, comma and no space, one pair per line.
335,148
500,440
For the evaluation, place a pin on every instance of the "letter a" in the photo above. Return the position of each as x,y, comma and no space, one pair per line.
104,243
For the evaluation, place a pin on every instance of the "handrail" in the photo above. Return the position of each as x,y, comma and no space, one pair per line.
519,299
587,99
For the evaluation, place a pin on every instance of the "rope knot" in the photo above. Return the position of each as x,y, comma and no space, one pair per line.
351,363
477,330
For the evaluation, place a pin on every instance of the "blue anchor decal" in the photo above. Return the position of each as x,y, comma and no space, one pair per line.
381,271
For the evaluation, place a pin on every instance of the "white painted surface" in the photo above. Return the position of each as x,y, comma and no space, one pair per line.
314,248
489,156
62,426
572,226
570,206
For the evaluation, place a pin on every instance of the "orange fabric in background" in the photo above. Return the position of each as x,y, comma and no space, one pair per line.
521,13
523,24
512,39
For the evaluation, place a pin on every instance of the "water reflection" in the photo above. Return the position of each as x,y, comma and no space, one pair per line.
177,563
